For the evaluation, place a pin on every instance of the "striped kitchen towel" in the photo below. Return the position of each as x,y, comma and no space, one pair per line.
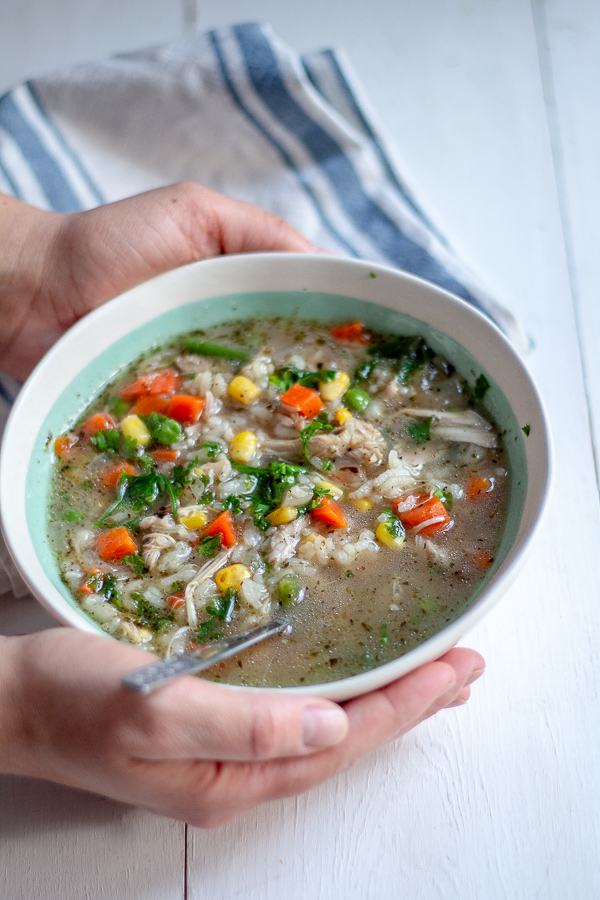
242,113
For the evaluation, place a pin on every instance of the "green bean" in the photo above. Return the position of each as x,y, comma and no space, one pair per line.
207,348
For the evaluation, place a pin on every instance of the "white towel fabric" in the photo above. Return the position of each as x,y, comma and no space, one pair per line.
243,114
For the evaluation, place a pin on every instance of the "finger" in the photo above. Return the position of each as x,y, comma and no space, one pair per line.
468,665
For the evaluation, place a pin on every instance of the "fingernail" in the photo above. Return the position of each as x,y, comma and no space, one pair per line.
323,727
475,674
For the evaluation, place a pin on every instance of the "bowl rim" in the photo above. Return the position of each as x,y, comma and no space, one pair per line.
281,264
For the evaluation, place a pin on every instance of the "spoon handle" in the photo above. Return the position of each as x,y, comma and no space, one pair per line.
150,677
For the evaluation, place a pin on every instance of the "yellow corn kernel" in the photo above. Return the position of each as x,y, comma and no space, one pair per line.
363,505
243,390
332,390
342,415
334,490
282,515
309,539
133,427
384,537
243,446
194,520
232,577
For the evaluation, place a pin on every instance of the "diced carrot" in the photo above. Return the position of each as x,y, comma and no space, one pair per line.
88,587
110,476
98,422
116,543
185,408
478,487
165,455
329,513
222,525
176,601
165,381
149,404
303,399
352,331
64,445
482,559
428,508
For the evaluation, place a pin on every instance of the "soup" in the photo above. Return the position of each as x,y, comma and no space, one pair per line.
346,479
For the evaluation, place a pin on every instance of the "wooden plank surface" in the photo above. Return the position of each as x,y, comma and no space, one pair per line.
498,799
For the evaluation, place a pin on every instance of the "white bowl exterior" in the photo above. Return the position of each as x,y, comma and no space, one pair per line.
277,272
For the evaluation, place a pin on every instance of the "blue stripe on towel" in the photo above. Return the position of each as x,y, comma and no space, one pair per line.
5,395
373,137
289,162
361,210
52,181
10,181
67,150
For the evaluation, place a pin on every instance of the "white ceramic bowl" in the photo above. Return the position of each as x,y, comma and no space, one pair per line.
258,285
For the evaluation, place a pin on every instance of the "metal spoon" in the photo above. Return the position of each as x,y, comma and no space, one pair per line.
150,677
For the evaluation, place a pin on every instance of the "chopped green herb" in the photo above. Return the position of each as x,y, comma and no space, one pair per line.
208,631
349,573
233,504
420,431
148,615
383,633
109,439
445,496
319,423
482,385
372,275
211,449
364,371
393,525
135,562
409,353
131,448
327,465
141,492
222,607
285,377
437,570
209,545
526,429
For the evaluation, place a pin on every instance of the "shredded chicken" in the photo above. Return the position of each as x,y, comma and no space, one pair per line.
283,544
464,426
167,525
359,440
153,546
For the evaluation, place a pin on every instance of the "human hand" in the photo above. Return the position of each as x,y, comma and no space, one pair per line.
192,750
54,268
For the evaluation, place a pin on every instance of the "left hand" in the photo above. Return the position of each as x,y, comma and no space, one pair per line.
54,268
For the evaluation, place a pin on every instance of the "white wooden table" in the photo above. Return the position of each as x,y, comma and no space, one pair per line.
493,106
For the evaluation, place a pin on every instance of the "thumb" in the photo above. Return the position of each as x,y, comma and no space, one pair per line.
192,719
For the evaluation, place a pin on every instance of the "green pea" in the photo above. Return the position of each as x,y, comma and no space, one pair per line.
118,406
72,515
356,399
163,429
289,590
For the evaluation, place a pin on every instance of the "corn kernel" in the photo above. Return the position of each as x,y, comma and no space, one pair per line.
232,577
332,390
342,415
282,515
384,537
334,490
363,505
243,446
194,520
243,390
133,427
